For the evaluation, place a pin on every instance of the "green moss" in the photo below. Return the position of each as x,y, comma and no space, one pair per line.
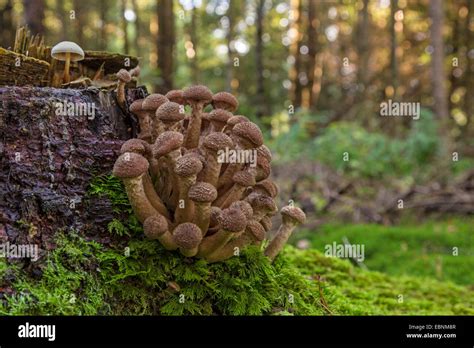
424,250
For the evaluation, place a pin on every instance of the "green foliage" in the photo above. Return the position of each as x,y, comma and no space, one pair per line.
111,187
424,250
370,154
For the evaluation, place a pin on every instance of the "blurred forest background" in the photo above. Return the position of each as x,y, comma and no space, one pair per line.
313,74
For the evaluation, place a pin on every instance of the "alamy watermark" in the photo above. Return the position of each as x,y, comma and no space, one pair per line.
69,108
345,251
401,109
19,251
237,156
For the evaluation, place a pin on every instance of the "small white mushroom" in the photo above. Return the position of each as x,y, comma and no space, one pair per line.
68,52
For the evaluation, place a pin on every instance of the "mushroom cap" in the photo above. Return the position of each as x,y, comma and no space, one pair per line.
176,95
232,220
166,142
268,186
244,178
262,202
219,116
187,235
137,146
256,229
266,222
250,132
264,152
124,75
244,206
292,214
155,226
136,107
135,71
188,165
217,141
214,217
198,93
263,169
170,112
60,50
226,101
153,102
236,119
202,192
130,165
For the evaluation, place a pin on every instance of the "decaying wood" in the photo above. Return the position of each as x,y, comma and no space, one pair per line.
47,161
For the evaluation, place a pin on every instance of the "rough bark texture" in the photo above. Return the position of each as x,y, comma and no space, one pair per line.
47,161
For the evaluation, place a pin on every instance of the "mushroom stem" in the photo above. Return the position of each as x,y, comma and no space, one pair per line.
138,199
202,213
232,248
156,227
185,213
153,197
277,243
67,63
194,128
234,194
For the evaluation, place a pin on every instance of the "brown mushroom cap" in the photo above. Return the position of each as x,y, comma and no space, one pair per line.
232,220
170,112
256,229
244,206
176,95
137,146
187,235
244,178
266,222
153,102
198,93
264,152
292,214
262,202
166,142
124,76
225,100
236,119
214,217
268,186
217,141
130,165
188,165
202,192
250,132
263,169
219,116
155,226
136,107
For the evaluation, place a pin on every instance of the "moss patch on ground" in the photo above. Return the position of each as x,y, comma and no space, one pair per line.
134,276
443,250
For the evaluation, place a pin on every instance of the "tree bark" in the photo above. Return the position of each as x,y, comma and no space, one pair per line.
47,161
165,44
78,22
124,22
312,53
230,51
103,23
34,15
393,48
363,45
7,29
296,87
194,39
261,100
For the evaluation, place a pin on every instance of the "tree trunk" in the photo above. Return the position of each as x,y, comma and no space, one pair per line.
47,161
64,17
437,69
363,45
103,24
296,87
194,39
124,22
469,75
261,100
230,51
393,48
137,28
7,29
34,15
165,44
312,53
78,22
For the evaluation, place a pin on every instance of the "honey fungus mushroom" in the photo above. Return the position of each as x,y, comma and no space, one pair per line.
183,191
68,52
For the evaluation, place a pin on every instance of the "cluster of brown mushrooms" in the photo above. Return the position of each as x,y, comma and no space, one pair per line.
181,192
